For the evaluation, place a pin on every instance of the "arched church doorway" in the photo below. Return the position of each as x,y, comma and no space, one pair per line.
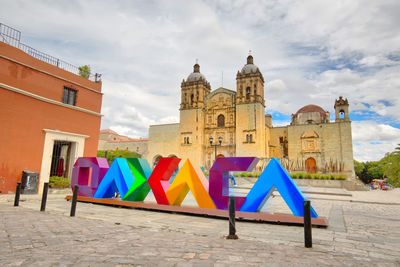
220,156
311,165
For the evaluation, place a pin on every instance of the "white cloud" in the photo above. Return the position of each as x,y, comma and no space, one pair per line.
373,140
309,52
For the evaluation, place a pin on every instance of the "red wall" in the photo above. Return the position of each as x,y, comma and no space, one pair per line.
23,118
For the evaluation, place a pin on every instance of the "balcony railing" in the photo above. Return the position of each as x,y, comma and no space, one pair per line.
12,37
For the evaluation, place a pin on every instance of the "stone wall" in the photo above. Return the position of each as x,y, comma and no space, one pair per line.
163,141
139,147
332,150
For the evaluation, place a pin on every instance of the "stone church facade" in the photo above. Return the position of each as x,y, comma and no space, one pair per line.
311,143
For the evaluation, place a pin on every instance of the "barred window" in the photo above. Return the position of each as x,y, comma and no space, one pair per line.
69,96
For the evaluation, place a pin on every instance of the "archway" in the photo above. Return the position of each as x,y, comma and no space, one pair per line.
311,165
220,156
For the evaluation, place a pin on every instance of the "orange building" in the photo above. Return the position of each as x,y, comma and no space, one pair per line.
49,116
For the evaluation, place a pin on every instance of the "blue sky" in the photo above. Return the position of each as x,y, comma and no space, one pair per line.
310,52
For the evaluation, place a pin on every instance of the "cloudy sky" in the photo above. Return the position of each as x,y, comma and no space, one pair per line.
310,52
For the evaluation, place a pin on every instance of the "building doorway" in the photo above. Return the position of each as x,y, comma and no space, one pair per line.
60,159
311,165
74,145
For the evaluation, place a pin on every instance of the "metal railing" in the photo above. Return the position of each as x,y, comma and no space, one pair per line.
12,37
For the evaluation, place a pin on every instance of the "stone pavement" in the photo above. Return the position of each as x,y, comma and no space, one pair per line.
359,234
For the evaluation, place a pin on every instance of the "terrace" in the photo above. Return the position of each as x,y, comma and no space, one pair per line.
12,37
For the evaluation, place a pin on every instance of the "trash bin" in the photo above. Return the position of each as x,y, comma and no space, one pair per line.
29,182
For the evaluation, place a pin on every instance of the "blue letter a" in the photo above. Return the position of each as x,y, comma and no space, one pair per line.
275,176
118,178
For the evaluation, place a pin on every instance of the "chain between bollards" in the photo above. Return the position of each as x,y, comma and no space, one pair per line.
307,224
74,200
44,196
232,229
17,193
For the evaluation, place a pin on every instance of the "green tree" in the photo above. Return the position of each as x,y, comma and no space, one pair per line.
358,167
84,71
391,166
112,154
368,171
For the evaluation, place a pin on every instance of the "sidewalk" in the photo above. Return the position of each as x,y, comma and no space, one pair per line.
359,234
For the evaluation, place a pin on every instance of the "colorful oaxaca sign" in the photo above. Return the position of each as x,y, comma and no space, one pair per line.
133,179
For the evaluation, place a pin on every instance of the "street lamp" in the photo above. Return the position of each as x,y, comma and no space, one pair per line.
211,139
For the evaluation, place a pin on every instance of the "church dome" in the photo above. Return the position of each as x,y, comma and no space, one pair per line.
249,67
195,75
311,108
310,114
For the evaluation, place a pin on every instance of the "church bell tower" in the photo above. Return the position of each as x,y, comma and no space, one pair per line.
191,129
250,112
194,89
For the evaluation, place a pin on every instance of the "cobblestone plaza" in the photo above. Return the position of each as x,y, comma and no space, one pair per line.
360,232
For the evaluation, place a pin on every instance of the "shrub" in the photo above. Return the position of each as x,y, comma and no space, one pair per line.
59,182
84,71
340,177
112,154
317,176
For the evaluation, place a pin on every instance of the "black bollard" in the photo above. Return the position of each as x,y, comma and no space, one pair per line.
232,229
17,193
307,224
74,200
44,196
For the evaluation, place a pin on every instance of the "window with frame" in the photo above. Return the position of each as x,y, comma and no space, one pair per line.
221,121
69,96
248,93
186,140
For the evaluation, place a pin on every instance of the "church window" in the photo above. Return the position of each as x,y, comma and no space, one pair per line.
251,138
187,140
221,121
248,93
247,138
281,139
255,89
191,98
184,140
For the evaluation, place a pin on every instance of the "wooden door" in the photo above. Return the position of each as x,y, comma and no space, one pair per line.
311,165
